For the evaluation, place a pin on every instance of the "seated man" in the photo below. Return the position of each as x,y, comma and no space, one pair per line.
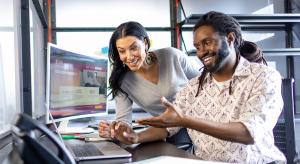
231,109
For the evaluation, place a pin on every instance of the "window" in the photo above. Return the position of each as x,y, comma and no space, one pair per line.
38,63
233,6
109,14
9,62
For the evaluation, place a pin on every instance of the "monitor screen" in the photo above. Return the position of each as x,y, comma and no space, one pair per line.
76,85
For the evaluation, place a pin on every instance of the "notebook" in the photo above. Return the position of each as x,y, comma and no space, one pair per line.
81,150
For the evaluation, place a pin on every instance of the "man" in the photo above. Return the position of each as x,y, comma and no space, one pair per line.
231,109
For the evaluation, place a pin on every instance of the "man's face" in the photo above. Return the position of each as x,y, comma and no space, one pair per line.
212,49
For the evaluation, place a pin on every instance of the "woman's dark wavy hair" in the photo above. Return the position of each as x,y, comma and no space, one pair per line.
224,24
118,69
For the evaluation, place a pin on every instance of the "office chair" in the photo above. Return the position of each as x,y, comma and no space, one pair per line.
181,140
28,147
297,158
284,130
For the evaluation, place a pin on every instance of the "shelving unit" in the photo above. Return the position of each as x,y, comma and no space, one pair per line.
251,22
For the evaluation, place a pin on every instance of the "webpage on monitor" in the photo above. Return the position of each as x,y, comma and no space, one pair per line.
76,87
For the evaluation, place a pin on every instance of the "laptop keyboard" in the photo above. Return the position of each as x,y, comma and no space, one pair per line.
85,150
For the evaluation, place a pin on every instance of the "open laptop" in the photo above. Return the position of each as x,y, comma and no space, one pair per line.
82,150
36,143
86,150
76,89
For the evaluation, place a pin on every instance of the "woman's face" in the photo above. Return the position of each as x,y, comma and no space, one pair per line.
132,52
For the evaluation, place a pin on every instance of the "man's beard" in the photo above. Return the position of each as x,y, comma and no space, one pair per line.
221,58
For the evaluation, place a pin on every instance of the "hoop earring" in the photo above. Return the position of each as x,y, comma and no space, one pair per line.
149,59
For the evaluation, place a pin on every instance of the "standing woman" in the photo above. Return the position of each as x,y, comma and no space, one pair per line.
142,76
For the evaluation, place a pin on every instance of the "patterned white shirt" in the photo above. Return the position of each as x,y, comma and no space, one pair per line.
255,101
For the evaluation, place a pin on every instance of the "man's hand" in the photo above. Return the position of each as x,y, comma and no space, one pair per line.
123,132
170,118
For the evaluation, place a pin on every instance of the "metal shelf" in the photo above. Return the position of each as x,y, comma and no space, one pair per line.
252,19
268,52
282,52
255,22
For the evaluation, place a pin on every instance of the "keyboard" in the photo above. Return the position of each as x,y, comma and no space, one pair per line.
85,150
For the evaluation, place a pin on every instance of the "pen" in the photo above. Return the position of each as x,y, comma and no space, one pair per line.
68,137
95,139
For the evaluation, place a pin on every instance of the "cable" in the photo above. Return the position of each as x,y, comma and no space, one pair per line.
56,128
184,45
182,9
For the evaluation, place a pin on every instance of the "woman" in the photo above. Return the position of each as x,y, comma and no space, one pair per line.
142,76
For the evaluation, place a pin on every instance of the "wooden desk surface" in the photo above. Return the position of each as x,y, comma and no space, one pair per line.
146,151
154,149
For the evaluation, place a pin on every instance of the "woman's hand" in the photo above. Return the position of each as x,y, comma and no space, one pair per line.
104,129
170,118
123,132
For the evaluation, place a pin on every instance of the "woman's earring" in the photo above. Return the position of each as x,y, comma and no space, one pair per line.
148,59
124,65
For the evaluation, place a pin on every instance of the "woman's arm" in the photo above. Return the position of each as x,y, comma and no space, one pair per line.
125,134
123,108
123,113
152,134
191,68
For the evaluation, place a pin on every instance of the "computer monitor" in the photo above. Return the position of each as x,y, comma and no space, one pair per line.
76,87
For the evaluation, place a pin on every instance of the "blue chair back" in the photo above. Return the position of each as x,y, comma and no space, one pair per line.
284,130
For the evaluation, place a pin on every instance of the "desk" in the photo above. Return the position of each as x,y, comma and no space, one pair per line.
154,149
145,151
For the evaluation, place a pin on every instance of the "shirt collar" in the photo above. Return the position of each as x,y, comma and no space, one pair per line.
242,69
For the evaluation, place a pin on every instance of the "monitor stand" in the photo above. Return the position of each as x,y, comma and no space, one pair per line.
64,129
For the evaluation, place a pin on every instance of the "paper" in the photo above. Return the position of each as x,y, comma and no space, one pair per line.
170,159
93,137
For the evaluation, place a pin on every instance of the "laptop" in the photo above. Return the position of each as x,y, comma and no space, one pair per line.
82,150
37,143
103,149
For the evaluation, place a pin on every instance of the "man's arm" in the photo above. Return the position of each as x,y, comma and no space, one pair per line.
257,118
233,131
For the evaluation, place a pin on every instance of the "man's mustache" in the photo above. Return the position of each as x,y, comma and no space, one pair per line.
208,53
